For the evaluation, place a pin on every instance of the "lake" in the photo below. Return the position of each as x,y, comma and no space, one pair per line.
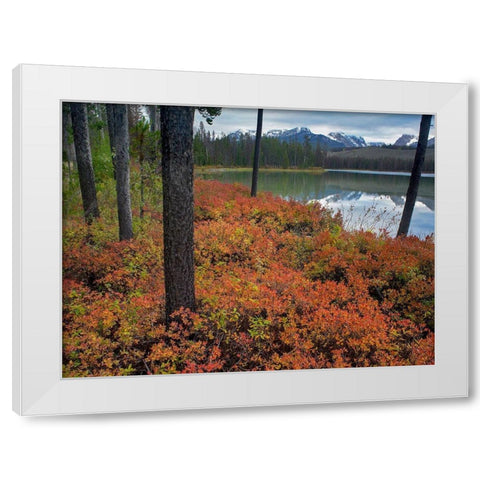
367,200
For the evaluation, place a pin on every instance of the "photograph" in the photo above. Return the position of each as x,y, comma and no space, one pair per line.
217,239
240,241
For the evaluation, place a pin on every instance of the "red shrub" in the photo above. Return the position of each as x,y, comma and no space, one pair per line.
279,285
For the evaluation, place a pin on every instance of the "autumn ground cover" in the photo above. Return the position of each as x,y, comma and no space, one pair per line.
279,285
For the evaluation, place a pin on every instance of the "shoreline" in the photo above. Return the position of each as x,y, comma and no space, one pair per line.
379,172
315,170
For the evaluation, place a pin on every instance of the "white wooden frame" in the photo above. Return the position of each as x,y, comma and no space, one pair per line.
38,388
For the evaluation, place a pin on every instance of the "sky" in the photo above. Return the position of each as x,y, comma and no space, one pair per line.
373,127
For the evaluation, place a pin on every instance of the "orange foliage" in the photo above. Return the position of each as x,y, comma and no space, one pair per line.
279,285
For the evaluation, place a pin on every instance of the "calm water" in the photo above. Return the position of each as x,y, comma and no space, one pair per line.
367,200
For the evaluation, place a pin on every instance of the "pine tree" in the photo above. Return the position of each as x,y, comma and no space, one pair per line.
81,139
122,166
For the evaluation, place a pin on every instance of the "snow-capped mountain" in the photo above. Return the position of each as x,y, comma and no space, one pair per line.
242,132
292,133
274,133
406,140
430,143
300,134
348,140
331,141
411,141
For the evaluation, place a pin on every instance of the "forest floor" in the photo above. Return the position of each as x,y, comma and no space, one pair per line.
279,285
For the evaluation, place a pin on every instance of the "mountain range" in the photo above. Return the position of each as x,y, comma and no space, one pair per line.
411,141
331,141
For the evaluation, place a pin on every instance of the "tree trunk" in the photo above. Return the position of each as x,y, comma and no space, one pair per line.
65,157
83,153
122,163
415,175
141,161
68,149
152,114
109,108
256,155
177,176
157,118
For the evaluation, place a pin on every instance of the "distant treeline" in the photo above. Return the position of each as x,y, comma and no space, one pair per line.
229,151
378,158
237,151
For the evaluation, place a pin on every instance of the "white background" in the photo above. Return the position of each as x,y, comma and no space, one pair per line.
408,40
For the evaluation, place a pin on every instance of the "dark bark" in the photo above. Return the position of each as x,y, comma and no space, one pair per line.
177,176
109,108
154,116
141,161
83,154
157,118
256,155
142,191
122,165
152,113
415,175
68,149
65,142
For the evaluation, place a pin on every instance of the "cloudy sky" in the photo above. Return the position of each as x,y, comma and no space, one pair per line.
373,127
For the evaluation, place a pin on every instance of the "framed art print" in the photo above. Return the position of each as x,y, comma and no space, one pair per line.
203,240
